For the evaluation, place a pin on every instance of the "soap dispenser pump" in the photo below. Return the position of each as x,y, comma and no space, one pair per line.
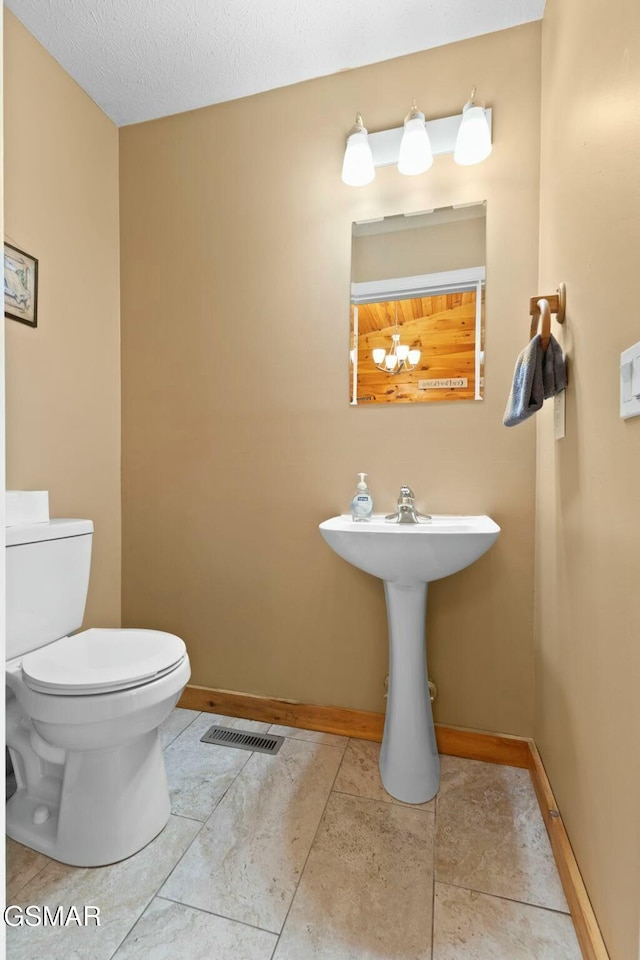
362,503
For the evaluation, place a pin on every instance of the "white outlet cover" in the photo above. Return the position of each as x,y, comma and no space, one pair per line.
629,359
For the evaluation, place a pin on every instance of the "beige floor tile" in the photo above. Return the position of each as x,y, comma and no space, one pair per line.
359,775
199,774
121,891
490,835
247,860
473,926
481,782
175,723
315,736
22,866
366,891
169,930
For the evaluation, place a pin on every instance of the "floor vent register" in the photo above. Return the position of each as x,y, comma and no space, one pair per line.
243,740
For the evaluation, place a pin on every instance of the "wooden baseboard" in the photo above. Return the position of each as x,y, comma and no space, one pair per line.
287,713
363,724
477,745
584,919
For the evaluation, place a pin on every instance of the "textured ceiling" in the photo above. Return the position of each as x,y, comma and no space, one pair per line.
140,59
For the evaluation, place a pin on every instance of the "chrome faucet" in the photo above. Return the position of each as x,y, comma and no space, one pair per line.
406,511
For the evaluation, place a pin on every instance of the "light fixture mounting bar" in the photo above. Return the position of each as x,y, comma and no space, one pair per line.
385,145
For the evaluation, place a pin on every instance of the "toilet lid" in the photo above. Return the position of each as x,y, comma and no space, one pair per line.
100,661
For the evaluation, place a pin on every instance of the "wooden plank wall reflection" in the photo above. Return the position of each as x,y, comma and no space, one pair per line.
441,327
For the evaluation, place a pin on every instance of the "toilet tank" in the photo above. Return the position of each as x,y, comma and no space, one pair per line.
48,568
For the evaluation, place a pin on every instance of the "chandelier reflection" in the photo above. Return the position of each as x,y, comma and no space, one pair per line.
399,357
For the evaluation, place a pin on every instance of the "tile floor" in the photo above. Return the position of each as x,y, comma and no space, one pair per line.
303,856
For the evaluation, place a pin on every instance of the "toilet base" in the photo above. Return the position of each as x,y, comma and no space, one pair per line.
97,807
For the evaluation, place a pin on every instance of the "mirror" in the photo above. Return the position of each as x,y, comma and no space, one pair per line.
417,306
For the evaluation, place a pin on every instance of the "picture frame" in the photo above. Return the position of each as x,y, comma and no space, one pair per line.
20,286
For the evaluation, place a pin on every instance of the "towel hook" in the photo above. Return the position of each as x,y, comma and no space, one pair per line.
557,303
545,313
544,307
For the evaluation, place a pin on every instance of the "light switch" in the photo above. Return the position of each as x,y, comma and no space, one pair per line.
635,376
626,377
630,382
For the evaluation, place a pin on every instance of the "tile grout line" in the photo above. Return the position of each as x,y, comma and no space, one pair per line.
133,925
497,896
183,816
203,823
212,913
315,836
415,807
184,729
220,798
155,892
222,795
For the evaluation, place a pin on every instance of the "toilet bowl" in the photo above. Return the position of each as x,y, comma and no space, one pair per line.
83,710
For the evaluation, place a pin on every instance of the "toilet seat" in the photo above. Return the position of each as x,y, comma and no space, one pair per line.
99,661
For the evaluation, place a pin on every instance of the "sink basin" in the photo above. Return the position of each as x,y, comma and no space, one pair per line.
408,557
410,552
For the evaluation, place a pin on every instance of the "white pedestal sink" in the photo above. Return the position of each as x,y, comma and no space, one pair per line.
407,557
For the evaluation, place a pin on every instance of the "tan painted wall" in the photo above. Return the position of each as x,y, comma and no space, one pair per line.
406,253
238,438
63,378
588,609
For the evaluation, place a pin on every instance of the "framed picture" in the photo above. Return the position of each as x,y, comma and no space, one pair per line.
20,286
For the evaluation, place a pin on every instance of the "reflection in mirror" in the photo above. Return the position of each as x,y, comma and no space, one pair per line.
417,307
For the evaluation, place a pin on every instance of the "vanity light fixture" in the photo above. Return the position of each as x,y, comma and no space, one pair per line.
473,143
357,167
400,356
413,146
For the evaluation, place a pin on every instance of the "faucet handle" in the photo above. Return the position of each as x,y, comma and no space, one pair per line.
406,492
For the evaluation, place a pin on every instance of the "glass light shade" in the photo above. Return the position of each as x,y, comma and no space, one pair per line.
378,354
415,147
390,361
402,351
357,167
473,143
414,357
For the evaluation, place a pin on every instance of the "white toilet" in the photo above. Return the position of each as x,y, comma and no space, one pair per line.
82,711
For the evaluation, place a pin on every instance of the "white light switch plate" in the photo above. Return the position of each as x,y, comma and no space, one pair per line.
630,382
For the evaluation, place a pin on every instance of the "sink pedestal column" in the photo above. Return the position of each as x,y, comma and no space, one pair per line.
409,762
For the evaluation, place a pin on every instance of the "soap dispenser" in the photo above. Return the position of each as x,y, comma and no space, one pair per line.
362,503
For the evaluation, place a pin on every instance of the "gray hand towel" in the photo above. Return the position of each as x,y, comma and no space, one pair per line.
554,371
527,390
